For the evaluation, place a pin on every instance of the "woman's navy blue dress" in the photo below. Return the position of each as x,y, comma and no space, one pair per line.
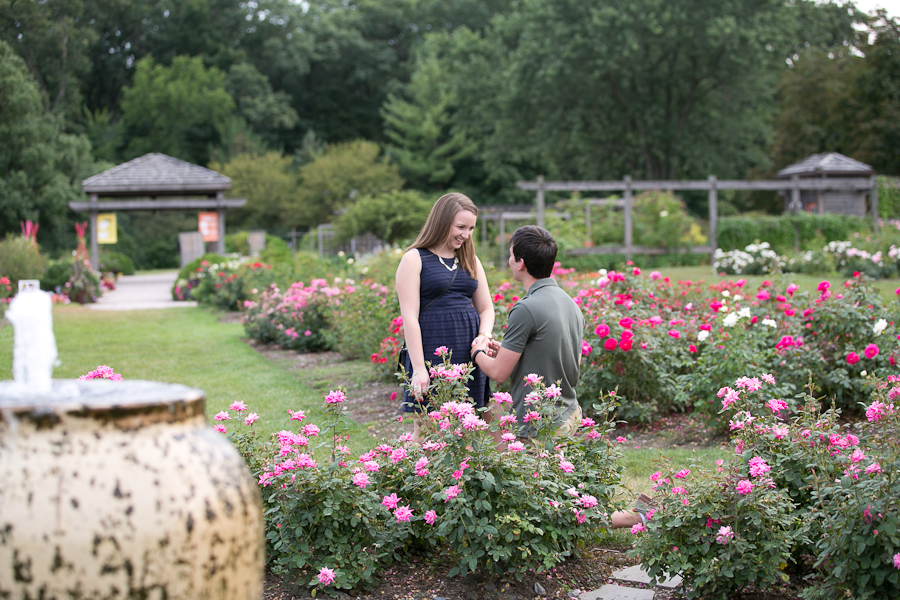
451,321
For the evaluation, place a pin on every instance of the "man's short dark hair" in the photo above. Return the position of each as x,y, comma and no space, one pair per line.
536,247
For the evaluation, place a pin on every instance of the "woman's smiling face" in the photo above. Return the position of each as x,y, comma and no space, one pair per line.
460,229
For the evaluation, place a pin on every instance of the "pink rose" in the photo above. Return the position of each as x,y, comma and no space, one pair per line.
852,358
871,351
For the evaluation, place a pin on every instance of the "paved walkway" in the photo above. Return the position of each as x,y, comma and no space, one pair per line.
141,292
631,575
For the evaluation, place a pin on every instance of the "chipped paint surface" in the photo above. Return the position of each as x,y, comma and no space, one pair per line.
125,501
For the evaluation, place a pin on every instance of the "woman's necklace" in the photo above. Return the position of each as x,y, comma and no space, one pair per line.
449,268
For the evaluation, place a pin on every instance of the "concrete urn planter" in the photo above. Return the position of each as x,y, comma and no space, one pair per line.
120,489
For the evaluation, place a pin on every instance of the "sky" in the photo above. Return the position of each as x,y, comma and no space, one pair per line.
892,6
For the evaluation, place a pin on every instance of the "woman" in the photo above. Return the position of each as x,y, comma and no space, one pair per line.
437,312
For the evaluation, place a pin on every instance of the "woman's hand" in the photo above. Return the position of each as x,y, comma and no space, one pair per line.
419,383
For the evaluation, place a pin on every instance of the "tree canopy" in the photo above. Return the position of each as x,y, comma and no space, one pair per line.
470,95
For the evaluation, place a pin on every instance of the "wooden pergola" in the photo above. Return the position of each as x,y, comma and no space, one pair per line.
156,182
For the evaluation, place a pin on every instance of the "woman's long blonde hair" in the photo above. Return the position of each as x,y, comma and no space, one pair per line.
437,228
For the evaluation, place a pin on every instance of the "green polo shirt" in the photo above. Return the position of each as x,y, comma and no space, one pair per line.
546,327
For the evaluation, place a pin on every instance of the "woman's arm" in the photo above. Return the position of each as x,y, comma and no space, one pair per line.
483,303
407,283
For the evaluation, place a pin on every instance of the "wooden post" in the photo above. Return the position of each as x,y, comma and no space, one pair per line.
795,194
502,236
293,239
321,241
220,244
587,222
540,201
873,199
95,249
311,238
713,216
628,224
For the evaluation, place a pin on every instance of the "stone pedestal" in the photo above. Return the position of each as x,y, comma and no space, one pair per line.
119,489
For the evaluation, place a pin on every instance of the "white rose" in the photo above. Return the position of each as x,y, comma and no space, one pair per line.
702,335
880,326
731,320
769,322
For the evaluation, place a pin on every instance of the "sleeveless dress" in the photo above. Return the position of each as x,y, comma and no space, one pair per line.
451,321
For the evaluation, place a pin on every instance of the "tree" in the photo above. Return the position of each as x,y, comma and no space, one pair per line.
52,40
817,106
425,144
268,182
180,110
40,166
268,112
843,101
341,174
651,88
390,217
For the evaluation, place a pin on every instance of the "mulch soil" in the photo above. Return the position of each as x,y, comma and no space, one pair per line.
424,577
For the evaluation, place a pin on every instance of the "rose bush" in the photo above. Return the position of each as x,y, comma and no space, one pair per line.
800,485
501,512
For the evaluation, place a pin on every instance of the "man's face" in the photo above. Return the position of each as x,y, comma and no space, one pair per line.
514,264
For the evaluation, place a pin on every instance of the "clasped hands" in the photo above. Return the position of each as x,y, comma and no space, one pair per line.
482,342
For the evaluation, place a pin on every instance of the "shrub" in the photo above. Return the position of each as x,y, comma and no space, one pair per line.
784,232
756,259
20,259
190,275
497,512
296,319
801,484
116,262
359,317
390,216
57,274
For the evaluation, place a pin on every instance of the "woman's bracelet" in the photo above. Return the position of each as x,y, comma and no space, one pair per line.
487,335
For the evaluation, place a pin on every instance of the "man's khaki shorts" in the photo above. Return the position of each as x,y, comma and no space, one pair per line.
572,423
565,430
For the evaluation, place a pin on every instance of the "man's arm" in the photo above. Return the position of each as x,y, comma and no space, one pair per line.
501,366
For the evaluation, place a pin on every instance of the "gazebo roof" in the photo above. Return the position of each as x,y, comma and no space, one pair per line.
829,163
156,174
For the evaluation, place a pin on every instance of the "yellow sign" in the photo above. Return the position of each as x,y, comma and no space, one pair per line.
106,228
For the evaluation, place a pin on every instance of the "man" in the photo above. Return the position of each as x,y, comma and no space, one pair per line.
544,333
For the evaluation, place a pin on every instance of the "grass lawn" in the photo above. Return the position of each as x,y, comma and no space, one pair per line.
190,346
180,345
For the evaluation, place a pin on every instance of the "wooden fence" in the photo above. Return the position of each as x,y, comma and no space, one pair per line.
711,185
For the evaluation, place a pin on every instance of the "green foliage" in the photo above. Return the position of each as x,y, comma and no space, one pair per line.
20,259
268,182
190,275
180,110
276,252
268,112
457,494
391,216
116,262
41,165
425,145
889,197
359,317
800,484
57,274
297,318
84,285
811,231
342,173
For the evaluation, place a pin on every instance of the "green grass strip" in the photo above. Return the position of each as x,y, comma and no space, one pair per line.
179,345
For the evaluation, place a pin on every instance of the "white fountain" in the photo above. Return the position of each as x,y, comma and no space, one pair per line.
117,489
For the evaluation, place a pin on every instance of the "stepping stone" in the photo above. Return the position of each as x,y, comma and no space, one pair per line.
617,592
636,575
